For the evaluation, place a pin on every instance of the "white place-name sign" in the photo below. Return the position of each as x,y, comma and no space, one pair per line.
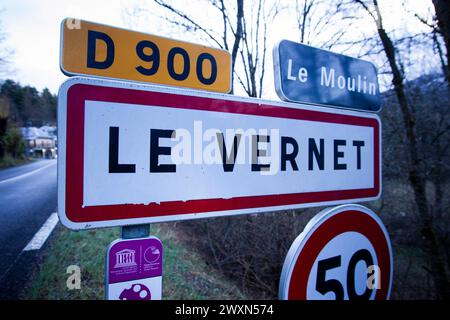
136,154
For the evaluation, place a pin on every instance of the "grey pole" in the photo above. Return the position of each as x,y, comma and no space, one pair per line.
136,231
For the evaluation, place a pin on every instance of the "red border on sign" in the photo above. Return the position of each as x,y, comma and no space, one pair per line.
342,222
77,95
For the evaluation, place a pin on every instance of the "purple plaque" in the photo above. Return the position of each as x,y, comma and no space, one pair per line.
134,269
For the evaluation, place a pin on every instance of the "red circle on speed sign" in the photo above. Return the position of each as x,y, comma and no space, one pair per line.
343,253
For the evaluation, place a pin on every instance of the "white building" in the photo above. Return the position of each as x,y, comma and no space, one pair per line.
41,142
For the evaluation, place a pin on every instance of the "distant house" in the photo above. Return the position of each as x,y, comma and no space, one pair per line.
41,142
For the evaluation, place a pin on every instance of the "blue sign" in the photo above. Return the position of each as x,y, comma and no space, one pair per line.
311,75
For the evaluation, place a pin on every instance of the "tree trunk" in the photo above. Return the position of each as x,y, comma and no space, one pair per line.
417,179
442,8
237,38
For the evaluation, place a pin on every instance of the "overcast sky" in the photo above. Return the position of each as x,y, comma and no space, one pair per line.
32,30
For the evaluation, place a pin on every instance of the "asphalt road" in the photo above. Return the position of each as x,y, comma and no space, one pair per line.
27,199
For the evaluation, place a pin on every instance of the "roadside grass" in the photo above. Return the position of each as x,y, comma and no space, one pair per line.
8,161
185,274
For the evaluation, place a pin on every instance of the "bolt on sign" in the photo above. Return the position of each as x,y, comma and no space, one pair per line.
344,253
94,49
134,153
134,269
310,75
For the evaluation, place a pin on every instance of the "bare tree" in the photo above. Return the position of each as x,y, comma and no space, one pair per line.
232,24
416,165
243,32
254,49
442,8
322,23
439,25
5,53
4,56
440,32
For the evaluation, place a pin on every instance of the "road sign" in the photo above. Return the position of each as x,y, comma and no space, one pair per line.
133,153
343,253
134,269
93,49
311,75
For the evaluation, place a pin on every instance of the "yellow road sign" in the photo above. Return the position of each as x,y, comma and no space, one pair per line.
93,49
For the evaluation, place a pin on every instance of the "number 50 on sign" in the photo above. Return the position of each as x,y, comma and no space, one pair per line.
344,253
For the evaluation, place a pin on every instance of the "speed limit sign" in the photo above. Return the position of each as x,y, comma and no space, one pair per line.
344,253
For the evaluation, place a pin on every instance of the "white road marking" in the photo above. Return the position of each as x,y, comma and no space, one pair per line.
41,236
27,174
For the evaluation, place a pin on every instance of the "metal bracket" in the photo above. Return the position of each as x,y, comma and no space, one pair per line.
136,231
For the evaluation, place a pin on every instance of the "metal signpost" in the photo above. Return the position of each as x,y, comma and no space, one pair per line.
130,152
343,253
134,269
103,51
311,75
107,52
135,149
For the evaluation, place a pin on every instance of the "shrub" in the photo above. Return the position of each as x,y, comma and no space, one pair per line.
250,250
14,143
